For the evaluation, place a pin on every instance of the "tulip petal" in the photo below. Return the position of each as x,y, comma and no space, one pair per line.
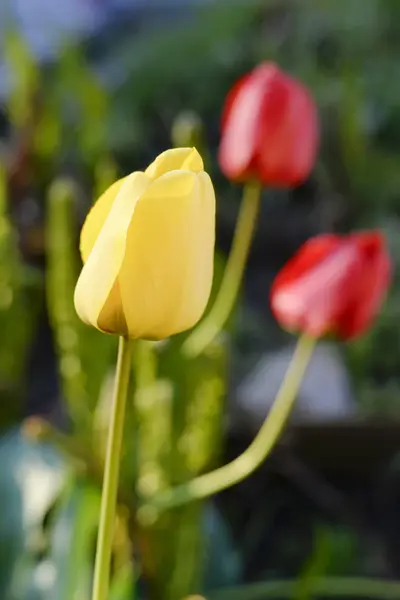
165,280
241,124
96,293
269,129
96,218
176,159
311,290
289,138
243,119
370,287
310,255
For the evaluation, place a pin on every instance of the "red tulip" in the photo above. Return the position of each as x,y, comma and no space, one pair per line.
269,129
333,284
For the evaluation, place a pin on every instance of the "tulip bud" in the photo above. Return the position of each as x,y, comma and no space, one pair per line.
147,246
269,129
333,285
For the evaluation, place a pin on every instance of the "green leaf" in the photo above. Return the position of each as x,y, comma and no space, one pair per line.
72,543
315,565
24,68
123,584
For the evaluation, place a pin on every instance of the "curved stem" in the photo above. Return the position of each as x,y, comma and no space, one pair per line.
358,587
111,473
242,466
215,320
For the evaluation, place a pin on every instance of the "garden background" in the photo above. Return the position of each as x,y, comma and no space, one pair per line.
97,102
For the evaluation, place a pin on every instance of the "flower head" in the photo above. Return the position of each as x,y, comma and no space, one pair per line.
147,247
333,285
269,129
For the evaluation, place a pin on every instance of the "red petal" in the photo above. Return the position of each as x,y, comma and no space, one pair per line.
242,120
371,286
312,289
230,99
288,146
311,253
333,284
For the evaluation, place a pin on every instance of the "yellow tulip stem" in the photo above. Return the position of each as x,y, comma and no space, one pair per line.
242,466
219,313
111,473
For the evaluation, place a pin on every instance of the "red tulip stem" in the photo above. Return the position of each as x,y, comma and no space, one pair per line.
111,473
242,466
220,311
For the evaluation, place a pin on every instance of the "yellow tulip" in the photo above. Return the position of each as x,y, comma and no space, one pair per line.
147,247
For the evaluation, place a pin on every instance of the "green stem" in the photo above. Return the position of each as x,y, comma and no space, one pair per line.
111,473
242,466
215,320
358,587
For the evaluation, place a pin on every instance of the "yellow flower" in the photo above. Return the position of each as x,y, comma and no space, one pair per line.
148,247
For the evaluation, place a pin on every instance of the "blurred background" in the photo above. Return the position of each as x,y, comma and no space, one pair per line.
91,90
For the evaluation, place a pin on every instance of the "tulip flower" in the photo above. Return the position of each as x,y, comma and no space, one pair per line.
147,247
333,285
269,129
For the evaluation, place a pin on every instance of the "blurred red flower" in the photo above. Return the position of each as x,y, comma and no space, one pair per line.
269,129
333,284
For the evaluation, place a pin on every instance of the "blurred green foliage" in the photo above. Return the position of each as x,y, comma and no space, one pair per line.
19,297
82,376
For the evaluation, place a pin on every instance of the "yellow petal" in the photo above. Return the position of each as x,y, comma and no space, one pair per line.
176,159
96,218
97,298
166,276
